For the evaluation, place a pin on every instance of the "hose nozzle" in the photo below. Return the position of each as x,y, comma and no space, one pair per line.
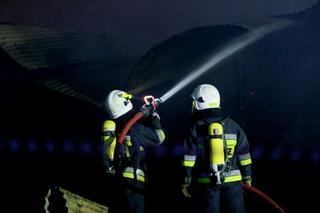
151,104
157,101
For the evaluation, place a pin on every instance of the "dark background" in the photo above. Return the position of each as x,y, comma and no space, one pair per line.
50,135
143,19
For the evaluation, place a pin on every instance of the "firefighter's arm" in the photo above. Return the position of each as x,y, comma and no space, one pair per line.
244,157
149,132
188,162
155,123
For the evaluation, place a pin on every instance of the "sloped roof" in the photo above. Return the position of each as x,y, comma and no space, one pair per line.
80,65
36,47
311,14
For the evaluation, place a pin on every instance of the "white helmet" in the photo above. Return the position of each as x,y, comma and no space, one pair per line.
118,103
205,96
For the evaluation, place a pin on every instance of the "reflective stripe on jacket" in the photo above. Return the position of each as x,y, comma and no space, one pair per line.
196,161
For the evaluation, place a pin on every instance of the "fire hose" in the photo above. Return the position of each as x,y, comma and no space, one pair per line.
265,197
150,105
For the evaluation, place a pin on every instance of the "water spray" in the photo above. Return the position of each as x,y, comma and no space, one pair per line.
231,48
234,46
152,103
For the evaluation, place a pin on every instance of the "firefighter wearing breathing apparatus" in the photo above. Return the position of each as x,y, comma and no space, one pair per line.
126,162
216,156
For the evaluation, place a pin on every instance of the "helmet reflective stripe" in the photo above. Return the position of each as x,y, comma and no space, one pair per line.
118,103
126,96
206,96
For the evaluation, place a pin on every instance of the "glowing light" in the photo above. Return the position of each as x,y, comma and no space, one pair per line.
315,156
50,147
32,146
69,146
276,154
86,148
14,145
296,155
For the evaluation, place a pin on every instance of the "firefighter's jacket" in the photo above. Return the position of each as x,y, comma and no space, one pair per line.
196,162
129,158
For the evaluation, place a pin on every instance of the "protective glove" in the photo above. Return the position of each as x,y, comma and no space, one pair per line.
185,187
185,190
147,109
110,171
110,168
155,120
247,180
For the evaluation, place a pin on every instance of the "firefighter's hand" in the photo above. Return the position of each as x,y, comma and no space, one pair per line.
155,120
110,171
248,183
247,180
147,109
185,190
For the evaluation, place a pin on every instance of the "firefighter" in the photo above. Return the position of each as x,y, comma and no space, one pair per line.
216,157
126,162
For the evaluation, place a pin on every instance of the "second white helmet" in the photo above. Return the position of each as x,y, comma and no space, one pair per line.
118,103
205,96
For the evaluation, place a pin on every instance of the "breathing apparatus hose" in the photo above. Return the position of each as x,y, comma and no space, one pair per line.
264,197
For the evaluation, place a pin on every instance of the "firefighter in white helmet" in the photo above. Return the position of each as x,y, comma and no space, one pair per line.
126,162
216,157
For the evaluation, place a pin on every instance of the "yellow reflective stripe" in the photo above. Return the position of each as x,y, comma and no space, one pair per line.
204,180
126,96
131,175
213,104
188,163
232,178
160,134
106,138
231,142
226,179
128,143
109,125
127,152
111,148
245,162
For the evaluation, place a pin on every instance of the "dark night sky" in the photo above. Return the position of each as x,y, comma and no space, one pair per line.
142,19
151,20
